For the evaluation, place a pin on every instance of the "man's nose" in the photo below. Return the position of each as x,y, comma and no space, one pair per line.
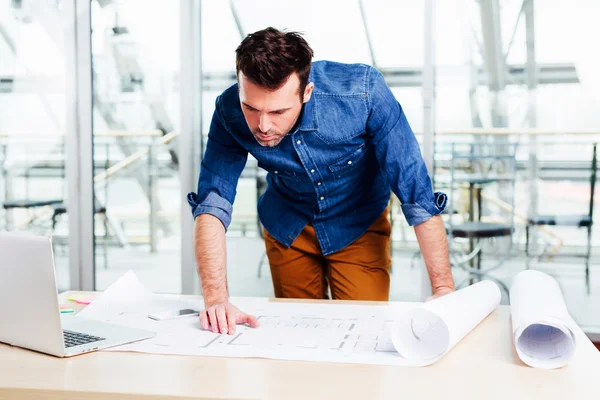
265,123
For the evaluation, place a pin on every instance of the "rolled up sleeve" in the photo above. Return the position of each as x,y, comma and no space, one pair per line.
213,204
416,213
220,170
398,153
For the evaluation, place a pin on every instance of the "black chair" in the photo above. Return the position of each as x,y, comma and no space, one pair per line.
26,205
29,203
577,220
477,166
59,209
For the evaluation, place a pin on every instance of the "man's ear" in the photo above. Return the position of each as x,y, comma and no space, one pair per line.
308,92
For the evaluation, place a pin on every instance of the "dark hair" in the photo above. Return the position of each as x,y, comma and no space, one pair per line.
268,57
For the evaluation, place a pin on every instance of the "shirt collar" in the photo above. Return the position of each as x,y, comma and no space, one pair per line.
308,116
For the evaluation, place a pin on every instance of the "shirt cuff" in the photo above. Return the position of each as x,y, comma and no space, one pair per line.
416,214
214,205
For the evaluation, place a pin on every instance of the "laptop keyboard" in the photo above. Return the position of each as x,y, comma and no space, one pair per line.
76,338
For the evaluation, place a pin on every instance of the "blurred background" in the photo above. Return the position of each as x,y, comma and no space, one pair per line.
105,106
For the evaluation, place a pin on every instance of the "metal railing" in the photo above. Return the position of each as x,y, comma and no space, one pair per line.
157,140
25,164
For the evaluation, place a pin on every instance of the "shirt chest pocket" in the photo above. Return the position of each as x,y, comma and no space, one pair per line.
279,173
348,164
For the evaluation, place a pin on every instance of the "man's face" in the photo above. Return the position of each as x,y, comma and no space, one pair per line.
271,114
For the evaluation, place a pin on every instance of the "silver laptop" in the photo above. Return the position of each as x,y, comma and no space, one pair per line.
29,309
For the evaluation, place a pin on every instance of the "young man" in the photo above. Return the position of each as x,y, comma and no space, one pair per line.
334,140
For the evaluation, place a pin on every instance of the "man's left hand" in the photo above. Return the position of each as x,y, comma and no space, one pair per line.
439,292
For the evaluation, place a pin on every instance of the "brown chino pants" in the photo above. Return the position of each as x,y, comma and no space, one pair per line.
361,271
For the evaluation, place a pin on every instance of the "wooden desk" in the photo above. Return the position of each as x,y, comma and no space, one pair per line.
483,366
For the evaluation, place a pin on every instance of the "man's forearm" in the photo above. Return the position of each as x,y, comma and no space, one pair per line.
211,258
431,236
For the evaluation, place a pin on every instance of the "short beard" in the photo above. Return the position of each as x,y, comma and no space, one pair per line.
271,143
277,140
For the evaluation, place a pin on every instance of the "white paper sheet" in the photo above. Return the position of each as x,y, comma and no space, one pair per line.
295,331
541,324
128,296
425,333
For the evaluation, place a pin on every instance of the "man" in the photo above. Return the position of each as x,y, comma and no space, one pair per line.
334,140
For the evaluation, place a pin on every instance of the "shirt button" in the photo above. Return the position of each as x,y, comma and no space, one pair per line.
349,162
322,197
299,141
312,171
318,183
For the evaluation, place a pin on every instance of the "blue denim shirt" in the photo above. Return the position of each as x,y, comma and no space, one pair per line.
350,146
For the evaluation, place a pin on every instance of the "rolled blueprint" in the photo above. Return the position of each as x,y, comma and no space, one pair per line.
424,334
540,321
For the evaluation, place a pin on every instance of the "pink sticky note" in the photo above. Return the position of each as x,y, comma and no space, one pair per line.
86,300
81,299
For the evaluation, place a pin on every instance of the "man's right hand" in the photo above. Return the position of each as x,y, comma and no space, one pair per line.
223,317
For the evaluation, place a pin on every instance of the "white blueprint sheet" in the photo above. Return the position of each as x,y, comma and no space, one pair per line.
427,332
541,323
343,333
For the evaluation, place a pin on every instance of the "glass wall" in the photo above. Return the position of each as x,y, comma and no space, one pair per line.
523,82
135,46
33,100
503,75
